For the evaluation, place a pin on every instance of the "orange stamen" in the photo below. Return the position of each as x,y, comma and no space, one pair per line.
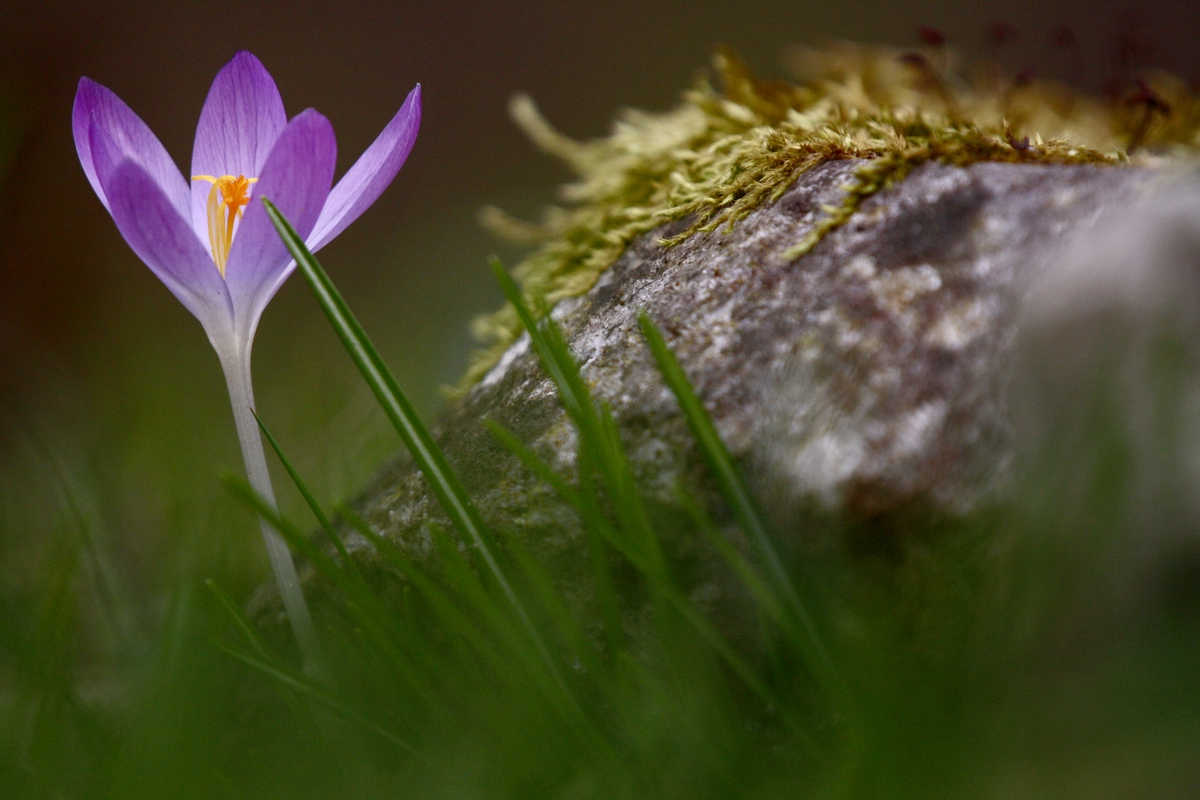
228,197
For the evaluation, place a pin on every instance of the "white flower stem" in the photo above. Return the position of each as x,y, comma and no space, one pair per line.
241,395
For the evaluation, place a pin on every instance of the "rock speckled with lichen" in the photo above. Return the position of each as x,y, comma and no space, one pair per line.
863,382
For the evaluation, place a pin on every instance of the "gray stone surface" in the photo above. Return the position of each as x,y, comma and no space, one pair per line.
863,378
862,384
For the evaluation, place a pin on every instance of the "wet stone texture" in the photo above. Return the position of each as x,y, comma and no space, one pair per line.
862,384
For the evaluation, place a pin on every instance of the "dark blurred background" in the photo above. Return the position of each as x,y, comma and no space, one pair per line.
109,394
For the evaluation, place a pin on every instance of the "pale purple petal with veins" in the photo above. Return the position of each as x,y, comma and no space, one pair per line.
371,174
129,137
241,119
163,239
296,177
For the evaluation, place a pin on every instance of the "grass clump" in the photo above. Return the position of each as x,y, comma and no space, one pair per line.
725,151
491,621
973,667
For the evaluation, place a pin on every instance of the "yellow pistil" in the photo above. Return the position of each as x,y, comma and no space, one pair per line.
228,197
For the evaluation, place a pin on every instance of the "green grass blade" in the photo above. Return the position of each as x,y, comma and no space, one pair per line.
456,620
374,617
746,571
626,497
239,619
428,456
600,444
503,645
539,584
312,691
294,536
309,499
571,390
533,463
420,443
732,488
452,618
453,621
597,551
347,581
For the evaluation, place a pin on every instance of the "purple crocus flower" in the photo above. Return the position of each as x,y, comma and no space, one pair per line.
217,251
233,262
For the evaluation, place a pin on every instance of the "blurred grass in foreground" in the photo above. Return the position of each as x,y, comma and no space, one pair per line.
982,661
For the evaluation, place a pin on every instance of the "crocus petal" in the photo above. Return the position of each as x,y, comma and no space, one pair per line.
129,137
296,177
164,240
241,119
371,174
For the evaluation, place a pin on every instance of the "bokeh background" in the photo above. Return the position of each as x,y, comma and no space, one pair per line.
113,413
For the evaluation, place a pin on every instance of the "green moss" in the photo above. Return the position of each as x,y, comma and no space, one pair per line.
722,153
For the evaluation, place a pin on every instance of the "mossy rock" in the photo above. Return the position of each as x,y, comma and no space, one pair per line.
861,387
850,333
723,153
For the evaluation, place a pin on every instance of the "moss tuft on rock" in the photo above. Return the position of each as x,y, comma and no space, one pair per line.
724,152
